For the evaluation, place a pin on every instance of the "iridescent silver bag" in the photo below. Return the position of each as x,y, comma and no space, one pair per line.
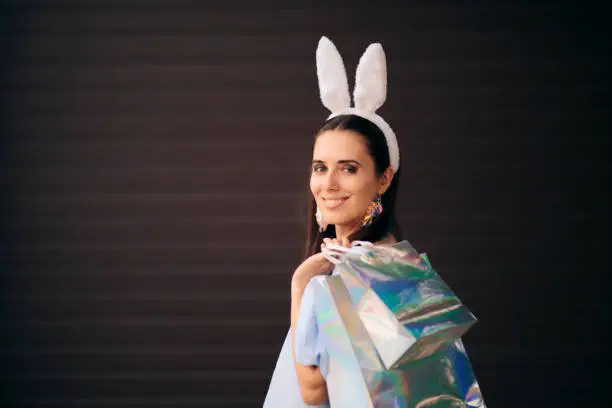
391,332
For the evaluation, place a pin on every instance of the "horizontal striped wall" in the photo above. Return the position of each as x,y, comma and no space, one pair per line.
154,169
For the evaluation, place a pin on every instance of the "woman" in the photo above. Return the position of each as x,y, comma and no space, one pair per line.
354,180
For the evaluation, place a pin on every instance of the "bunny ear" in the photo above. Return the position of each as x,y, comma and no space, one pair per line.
371,79
333,84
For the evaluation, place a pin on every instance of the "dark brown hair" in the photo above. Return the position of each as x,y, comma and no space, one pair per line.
384,224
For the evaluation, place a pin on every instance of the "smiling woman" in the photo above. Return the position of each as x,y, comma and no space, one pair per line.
354,180
353,191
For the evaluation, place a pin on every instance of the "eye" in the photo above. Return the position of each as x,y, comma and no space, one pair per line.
350,169
318,168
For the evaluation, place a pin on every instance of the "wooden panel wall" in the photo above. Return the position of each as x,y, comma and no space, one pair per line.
154,167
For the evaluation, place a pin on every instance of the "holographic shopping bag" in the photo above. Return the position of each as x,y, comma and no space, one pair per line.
391,330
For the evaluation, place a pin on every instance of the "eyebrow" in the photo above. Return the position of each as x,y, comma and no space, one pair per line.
339,162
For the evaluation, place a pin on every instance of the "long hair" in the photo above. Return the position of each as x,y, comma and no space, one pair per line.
384,224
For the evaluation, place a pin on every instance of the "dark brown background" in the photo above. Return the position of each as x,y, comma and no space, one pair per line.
154,166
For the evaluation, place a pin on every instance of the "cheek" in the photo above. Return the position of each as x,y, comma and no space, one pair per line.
363,195
315,186
358,186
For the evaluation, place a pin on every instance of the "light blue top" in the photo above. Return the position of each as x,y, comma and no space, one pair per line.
284,391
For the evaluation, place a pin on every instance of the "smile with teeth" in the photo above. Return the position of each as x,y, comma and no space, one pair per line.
330,204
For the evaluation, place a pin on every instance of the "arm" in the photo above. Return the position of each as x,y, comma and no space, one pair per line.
312,383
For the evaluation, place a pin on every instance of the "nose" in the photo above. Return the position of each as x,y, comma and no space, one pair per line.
331,181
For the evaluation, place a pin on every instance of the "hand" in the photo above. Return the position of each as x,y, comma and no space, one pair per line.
345,242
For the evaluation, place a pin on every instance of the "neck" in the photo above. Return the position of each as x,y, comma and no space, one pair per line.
342,231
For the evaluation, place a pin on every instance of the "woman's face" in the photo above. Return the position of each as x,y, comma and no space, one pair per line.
343,179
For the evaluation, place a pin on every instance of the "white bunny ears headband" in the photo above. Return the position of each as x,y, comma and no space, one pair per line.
370,88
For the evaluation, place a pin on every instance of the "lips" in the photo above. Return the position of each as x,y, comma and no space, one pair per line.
330,204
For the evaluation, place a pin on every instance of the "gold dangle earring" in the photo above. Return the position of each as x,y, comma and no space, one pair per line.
375,208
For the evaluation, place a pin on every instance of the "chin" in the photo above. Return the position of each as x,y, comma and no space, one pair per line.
339,221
